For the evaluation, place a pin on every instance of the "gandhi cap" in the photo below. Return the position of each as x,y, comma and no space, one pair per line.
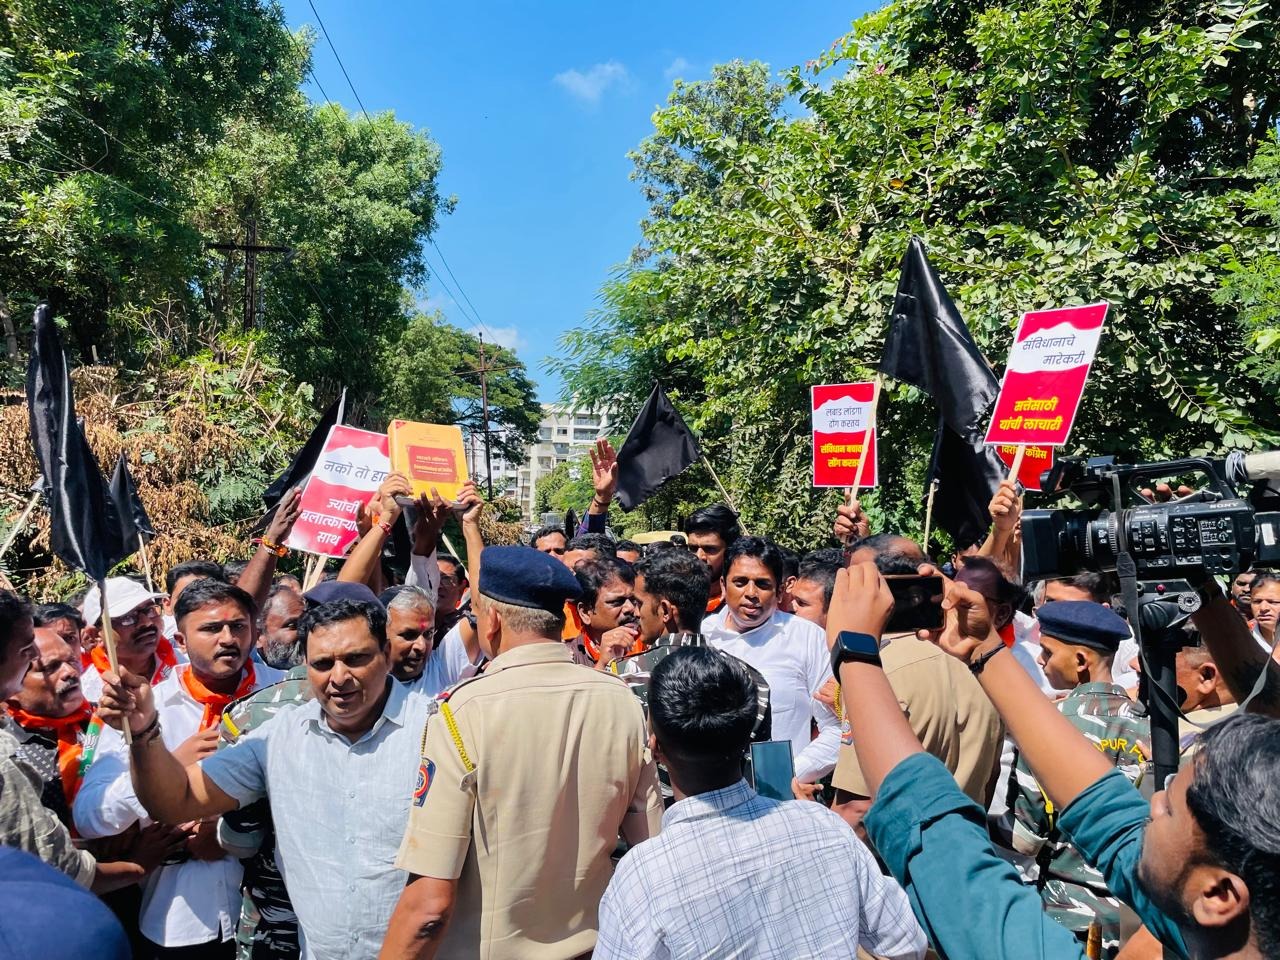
526,578
1083,623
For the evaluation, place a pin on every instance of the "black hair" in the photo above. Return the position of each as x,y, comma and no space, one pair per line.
821,566
760,549
1008,590
716,518
339,611
658,546
790,563
703,704
593,575
629,545
681,579
192,568
1235,797
47,613
13,610
893,555
201,593
545,532
233,569
275,591
450,558
601,546
1101,587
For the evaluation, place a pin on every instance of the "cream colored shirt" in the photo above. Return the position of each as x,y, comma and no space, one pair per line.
556,766
948,711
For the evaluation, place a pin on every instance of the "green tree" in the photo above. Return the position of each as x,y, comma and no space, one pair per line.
1048,152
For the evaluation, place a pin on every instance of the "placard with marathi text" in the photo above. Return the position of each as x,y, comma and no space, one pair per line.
842,413
350,469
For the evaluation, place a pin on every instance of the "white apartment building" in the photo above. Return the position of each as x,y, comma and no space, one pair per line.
564,434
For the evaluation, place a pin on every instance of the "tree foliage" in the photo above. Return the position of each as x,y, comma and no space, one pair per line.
1048,152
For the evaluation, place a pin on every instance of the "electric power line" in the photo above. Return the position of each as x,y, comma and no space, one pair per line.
341,66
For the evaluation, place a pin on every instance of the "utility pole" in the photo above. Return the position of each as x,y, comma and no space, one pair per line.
484,405
251,249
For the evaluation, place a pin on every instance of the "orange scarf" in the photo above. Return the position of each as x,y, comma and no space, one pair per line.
166,660
572,622
593,650
70,733
215,703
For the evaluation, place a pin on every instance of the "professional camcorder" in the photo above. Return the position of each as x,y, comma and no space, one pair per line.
1213,530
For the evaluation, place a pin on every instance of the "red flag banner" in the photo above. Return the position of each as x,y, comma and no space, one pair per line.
841,414
1045,377
1035,462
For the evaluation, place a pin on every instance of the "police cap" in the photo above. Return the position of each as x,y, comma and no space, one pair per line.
526,578
1083,623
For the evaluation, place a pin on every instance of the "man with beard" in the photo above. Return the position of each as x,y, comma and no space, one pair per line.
52,716
791,653
711,531
190,907
137,622
278,628
608,612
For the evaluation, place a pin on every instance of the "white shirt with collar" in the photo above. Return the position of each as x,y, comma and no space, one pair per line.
340,812
792,654
183,904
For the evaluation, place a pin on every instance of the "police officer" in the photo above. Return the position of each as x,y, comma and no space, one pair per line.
1079,640
528,773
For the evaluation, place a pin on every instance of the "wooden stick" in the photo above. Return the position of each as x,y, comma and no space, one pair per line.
725,493
146,562
928,513
1017,463
109,641
444,538
866,440
316,573
21,522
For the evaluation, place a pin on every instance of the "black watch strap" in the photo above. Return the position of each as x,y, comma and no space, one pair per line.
981,663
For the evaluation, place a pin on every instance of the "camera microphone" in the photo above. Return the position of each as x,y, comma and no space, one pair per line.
1253,467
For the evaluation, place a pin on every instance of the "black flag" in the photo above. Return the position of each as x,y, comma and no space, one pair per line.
304,461
968,475
658,447
929,346
85,528
134,522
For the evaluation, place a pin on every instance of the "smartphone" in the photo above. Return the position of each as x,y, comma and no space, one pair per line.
772,769
917,603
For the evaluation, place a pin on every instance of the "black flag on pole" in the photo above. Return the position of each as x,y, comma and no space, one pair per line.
304,461
929,346
968,475
85,529
134,522
658,447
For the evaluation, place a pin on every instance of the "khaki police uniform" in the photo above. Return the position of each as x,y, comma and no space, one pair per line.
528,774
948,712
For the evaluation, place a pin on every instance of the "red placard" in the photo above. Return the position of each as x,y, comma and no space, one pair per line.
352,466
1044,381
841,415
1035,461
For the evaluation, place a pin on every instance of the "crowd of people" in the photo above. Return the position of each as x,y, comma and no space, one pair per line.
544,751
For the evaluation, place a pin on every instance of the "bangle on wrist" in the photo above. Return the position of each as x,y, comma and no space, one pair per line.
270,547
384,527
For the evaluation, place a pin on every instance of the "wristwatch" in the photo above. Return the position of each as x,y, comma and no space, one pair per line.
853,647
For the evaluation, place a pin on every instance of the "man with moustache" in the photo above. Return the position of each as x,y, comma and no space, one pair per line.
338,771
138,624
608,611
190,907
278,627
52,716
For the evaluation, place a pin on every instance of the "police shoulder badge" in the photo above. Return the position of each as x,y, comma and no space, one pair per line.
426,770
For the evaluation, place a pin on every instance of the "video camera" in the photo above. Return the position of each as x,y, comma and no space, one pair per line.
1211,531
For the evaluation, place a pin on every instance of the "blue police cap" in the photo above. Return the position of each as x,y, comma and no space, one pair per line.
331,590
526,578
1083,623
49,915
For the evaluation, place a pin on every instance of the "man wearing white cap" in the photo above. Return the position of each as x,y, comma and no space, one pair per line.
189,907
137,622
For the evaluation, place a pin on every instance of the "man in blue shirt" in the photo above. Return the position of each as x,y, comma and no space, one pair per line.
1200,866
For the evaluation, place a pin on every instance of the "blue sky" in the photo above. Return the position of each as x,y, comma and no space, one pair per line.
535,106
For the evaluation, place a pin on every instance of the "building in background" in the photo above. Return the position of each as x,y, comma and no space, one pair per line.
564,434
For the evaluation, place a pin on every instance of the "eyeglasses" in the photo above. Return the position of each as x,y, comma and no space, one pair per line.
131,618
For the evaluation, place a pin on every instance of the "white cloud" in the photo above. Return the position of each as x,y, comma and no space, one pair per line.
676,68
590,86
509,337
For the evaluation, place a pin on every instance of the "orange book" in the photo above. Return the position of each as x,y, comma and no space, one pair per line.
430,455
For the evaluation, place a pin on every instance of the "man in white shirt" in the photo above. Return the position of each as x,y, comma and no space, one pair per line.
190,907
416,659
734,874
339,772
790,652
138,624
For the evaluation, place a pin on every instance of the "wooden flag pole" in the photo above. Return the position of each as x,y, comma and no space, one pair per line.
314,573
725,493
852,494
146,561
20,523
109,641
928,513
444,538
1017,463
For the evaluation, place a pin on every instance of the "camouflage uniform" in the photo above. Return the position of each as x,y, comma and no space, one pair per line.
1074,893
268,928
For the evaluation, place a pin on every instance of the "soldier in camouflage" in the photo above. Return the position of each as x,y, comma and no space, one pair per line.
268,928
1079,640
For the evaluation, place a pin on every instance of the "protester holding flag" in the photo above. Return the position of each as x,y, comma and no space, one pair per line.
136,622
